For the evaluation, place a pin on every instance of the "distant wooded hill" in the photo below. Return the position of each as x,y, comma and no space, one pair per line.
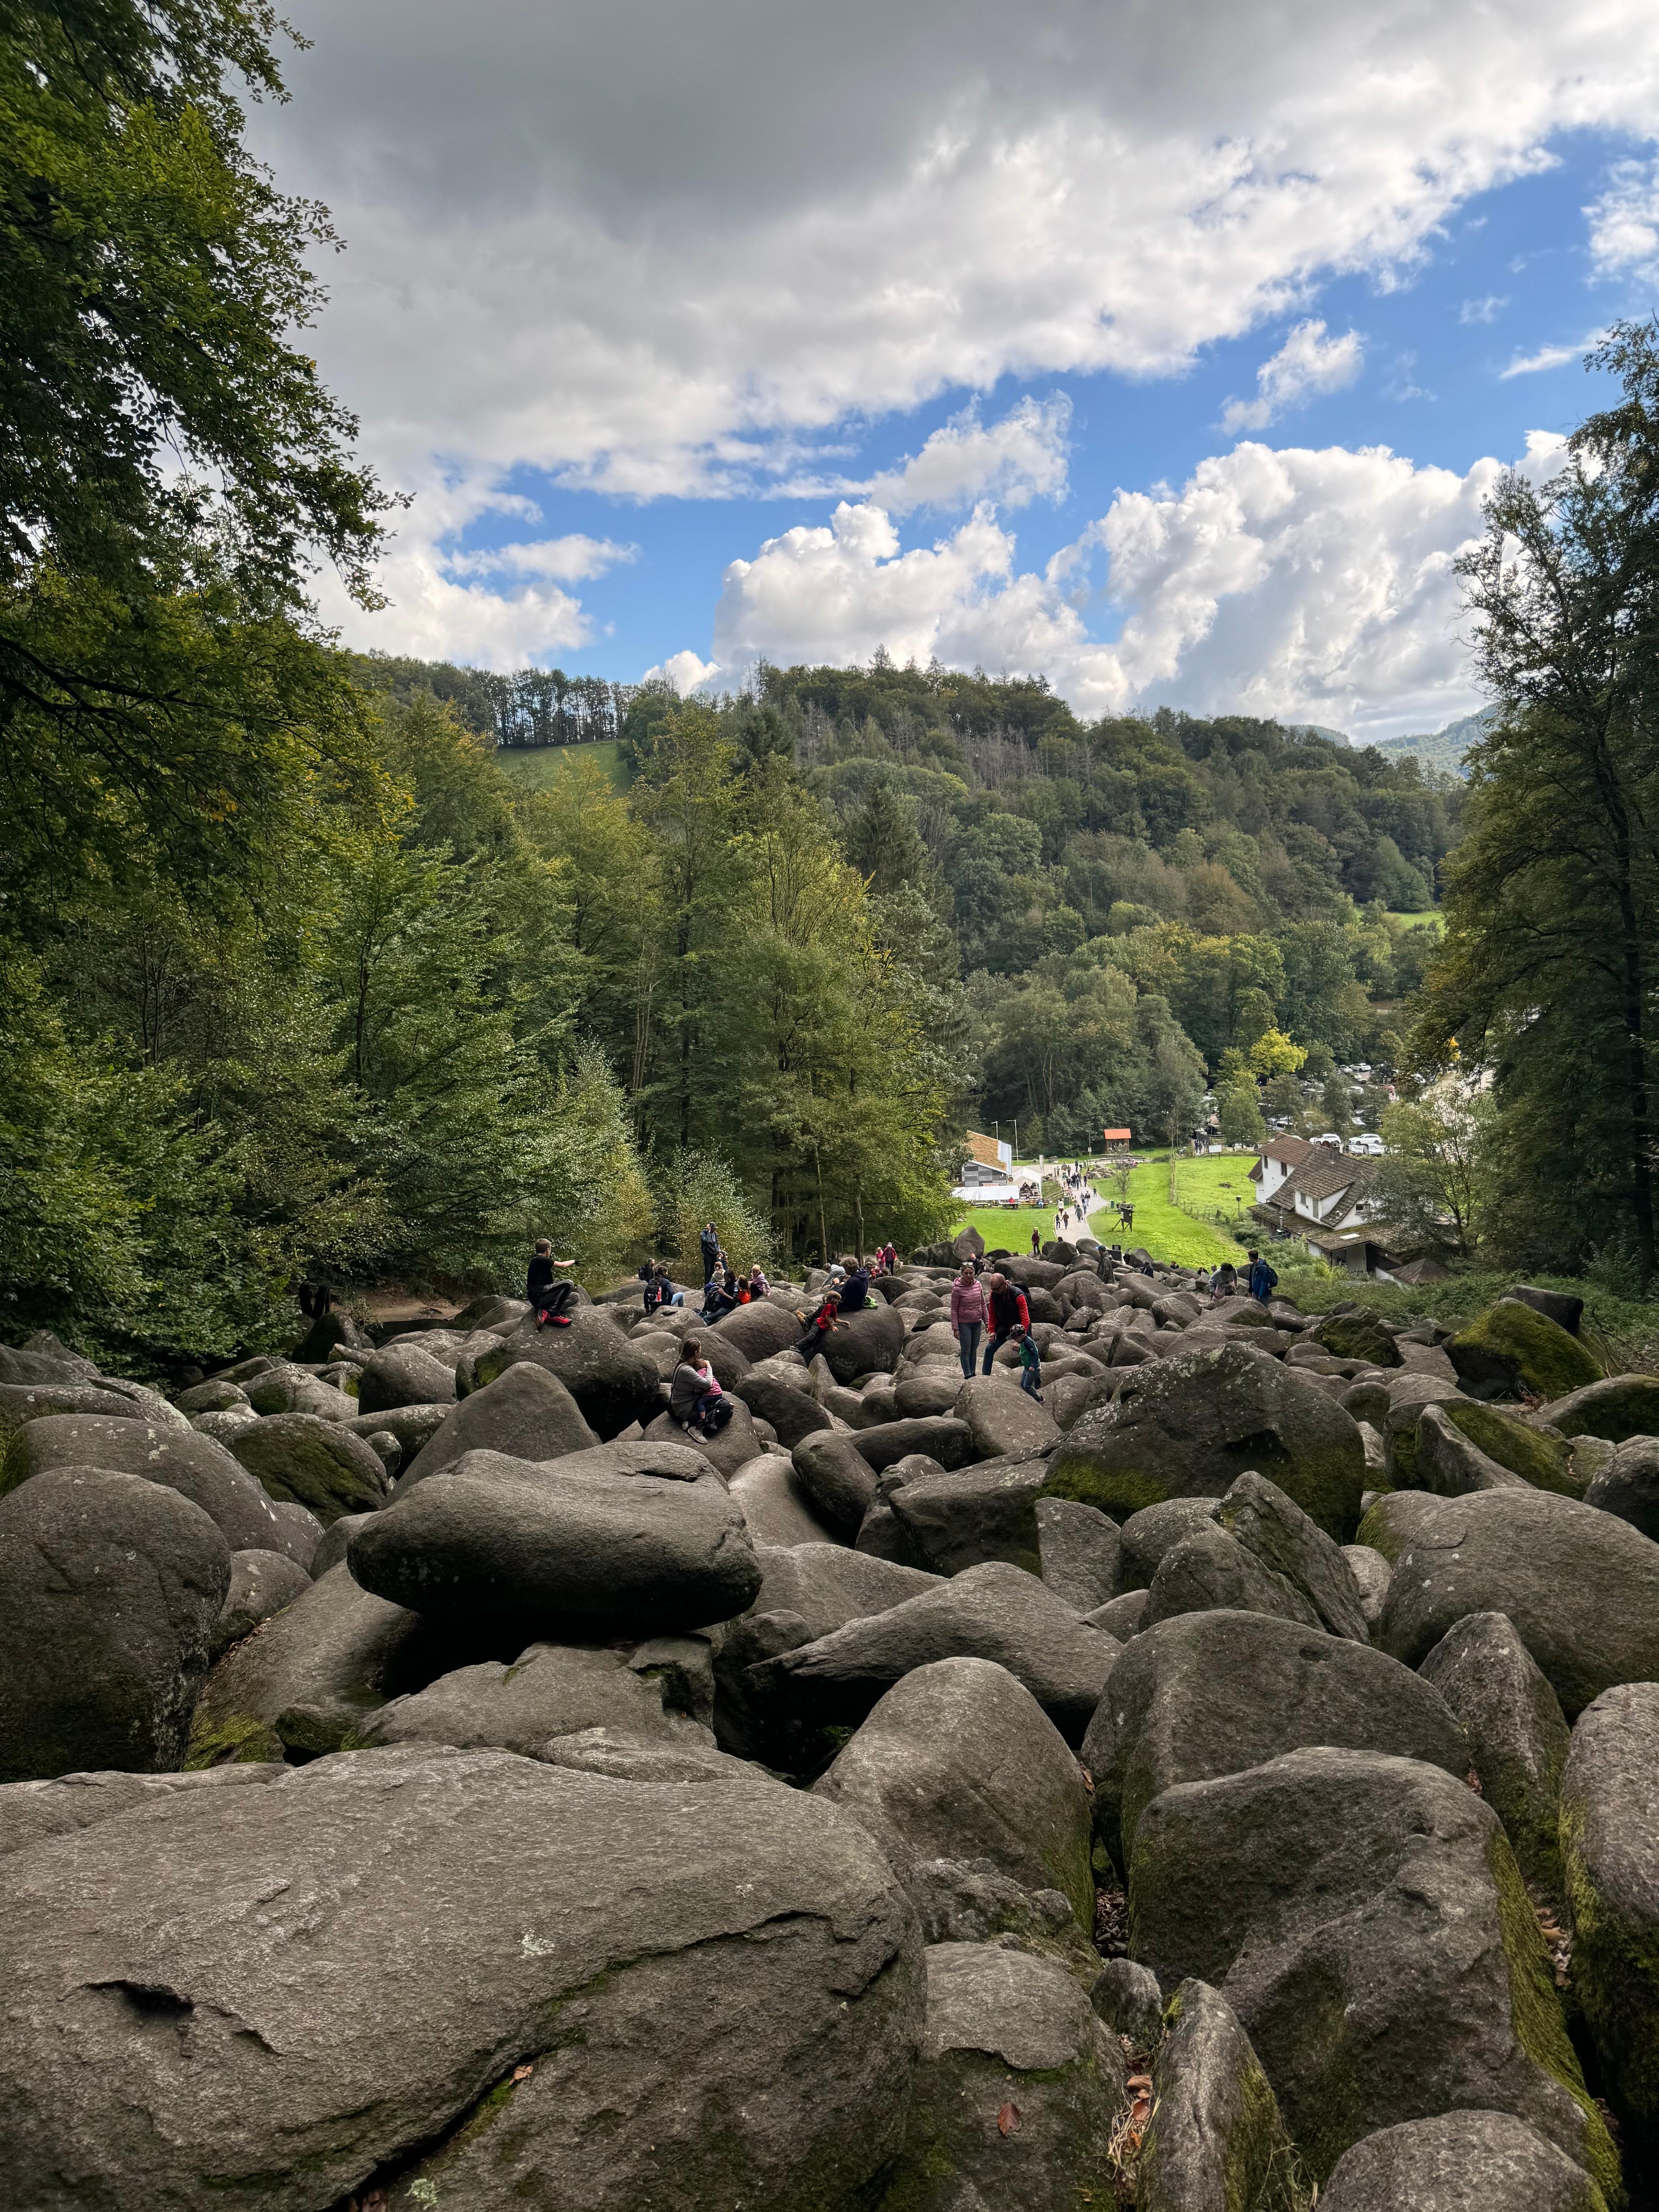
1440,749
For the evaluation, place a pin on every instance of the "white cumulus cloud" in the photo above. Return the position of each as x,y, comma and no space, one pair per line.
1551,356
1313,584
1020,458
1306,364
684,670
1623,223
569,560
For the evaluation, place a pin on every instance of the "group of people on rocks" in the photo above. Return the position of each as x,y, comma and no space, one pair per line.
1254,1279
997,1304
847,1292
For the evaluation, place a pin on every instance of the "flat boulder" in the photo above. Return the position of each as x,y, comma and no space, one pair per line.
313,1462
943,1437
962,1518
827,1585
612,1381
1019,2093
959,1761
1004,1421
1610,1845
1188,1426
22,1402
1513,1348
109,1589
993,1611
195,1465
1365,1919
628,1539
261,1583
549,1690
1209,1693
513,1902
1581,1588
34,1812
1460,2162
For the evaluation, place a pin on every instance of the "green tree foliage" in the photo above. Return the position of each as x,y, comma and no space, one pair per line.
1431,1181
1554,898
1238,1115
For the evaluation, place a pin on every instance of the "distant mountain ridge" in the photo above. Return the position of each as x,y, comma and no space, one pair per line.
1441,748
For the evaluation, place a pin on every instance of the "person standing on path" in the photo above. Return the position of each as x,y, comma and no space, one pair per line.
967,1314
1036,1243
1009,1317
1259,1278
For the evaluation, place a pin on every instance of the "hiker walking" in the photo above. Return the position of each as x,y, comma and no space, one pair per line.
1259,1277
1030,1367
968,1313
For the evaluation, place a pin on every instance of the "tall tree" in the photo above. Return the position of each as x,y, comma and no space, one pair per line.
1553,902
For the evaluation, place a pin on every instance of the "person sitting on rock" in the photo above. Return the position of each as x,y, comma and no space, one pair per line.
651,1281
666,1294
855,1291
1224,1282
827,1317
719,1295
695,1398
550,1300
758,1285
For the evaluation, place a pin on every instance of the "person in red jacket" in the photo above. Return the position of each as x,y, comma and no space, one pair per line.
827,1317
1009,1317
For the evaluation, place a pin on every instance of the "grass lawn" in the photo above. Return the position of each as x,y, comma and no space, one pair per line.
1169,1232
1007,1225
534,766
1431,914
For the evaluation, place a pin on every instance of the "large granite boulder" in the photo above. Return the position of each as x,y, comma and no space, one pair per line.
760,1328
526,1412
1257,1514
868,1343
784,1401
34,1812
109,1589
1628,1484
405,1374
1005,1421
1019,2090
959,1761
1581,1588
1209,1693
775,1508
1623,1405
627,1539
993,1611
313,1462
953,1520
1512,1347
549,1690
827,1585
22,1402
1460,2162
611,1380
1517,1737
1366,1921
1610,1845
195,1465
494,2028
1188,1426
838,1481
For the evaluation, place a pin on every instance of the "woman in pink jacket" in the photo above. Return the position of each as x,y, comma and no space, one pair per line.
967,1315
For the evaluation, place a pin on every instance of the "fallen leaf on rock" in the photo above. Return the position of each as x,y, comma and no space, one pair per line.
522,2072
1474,1781
1008,2120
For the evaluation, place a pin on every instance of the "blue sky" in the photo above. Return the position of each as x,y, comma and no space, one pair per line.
617,322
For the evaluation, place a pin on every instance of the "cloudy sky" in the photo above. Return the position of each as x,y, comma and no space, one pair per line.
1167,349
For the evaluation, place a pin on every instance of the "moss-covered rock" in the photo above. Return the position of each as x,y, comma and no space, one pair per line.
1355,1336
1621,1407
1610,1847
1513,1348
1188,1426
1517,1736
316,1463
1541,1457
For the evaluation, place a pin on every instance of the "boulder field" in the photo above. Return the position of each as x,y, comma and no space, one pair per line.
432,1780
